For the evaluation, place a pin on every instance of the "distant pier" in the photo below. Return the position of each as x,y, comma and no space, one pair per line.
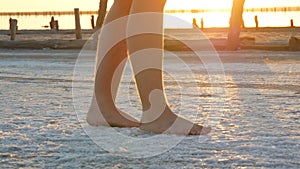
48,13
269,9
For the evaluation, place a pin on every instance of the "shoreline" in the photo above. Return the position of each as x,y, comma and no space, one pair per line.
267,38
210,29
240,56
170,45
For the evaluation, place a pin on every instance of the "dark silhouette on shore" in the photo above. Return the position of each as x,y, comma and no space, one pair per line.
54,24
93,22
256,21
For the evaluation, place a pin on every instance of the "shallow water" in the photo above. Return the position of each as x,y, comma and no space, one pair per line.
254,111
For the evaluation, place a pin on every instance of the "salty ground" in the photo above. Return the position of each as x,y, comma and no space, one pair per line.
250,98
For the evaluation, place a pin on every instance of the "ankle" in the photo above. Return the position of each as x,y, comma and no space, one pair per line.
152,116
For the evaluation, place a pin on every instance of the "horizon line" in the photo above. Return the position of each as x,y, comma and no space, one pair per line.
267,9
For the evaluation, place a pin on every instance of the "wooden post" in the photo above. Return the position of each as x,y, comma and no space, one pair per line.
93,21
56,25
202,23
292,23
13,28
235,25
77,24
101,13
256,21
52,24
195,23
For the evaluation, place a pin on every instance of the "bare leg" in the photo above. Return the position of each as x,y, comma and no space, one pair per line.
106,85
146,56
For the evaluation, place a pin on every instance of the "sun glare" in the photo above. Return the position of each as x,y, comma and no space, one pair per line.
67,5
198,4
226,4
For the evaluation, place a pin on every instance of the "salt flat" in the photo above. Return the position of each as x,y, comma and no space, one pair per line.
250,98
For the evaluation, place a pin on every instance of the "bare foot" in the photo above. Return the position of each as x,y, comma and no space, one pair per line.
170,123
113,117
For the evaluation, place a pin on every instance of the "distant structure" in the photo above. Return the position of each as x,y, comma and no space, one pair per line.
233,41
77,23
101,13
202,23
256,21
93,21
54,24
11,22
195,23
292,23
13,27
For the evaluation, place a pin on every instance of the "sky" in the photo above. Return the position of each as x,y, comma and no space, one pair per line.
69,5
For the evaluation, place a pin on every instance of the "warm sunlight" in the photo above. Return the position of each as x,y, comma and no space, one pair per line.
196,4
216,17
186,84
67,5
226,4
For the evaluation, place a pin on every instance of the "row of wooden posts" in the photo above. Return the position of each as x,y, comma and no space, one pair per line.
13,25
243,25
54,24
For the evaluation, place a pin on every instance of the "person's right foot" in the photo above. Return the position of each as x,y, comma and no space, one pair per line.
170,123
